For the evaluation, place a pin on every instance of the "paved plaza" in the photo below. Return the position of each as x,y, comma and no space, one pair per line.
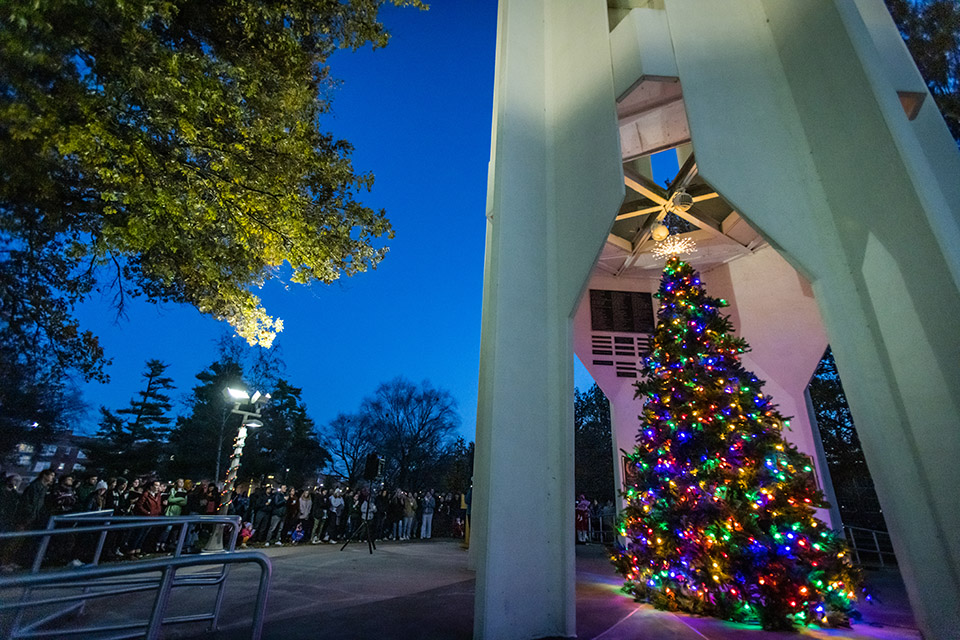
423,591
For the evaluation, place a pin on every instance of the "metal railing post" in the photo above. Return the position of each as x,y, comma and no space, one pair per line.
160,603
96,581
876,545
260,607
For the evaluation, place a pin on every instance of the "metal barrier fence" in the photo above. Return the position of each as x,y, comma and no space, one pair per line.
870,547
601,529
70,589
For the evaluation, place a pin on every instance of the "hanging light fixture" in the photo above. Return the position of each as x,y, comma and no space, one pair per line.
674,245
660,232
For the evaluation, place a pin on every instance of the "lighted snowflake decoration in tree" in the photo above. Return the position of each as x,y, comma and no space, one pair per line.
674,246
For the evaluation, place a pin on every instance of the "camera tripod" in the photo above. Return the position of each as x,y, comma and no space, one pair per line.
365,525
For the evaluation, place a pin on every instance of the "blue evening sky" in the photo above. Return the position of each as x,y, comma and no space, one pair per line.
418,114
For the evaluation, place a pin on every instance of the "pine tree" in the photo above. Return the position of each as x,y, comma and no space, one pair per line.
208,427
288,440
592,444
135,446
720,514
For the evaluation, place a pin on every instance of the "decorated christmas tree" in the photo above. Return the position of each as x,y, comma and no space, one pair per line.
720,514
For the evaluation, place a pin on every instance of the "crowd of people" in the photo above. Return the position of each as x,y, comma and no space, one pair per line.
594,521
279,515
271,514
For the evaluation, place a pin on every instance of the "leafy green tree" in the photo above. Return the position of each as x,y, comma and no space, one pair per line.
41,346
134,446
593,444
931,29
207,430
173,150
287,445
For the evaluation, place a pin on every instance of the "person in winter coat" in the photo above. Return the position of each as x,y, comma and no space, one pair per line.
97,500
426,524
240,505
346,515
260,506
409,510
86,544
381,502
212,500
318,512
63,499
9,501
175,503
133,495
292,513
116,487
278,510
305,504
177,499
582,510
395,515
31,513
334,511
86,488
150,504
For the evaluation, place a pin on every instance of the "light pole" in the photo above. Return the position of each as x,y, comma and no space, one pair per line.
248,419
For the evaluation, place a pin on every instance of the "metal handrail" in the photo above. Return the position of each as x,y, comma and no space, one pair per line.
166,566
601,528
111,522
104,523
850,533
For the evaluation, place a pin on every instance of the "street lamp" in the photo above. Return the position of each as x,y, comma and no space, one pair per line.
238,397
249,419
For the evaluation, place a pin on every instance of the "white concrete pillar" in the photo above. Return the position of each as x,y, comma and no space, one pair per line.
625,408
796,119
555,185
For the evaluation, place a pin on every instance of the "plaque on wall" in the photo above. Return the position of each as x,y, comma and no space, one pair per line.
621,311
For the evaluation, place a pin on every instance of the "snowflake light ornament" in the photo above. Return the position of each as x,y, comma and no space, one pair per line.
674,245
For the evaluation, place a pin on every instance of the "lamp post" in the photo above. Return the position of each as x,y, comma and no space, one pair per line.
249,419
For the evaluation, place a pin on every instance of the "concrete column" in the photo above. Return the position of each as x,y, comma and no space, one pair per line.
555,186
796,120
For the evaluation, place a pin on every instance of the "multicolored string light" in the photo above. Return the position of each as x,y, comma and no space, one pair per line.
720,514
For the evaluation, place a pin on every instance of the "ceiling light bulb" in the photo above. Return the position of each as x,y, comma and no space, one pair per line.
660,232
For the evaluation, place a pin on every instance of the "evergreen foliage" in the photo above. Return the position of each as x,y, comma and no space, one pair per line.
135,445
931,30
196,439
287,445
720,515
593,444
852,484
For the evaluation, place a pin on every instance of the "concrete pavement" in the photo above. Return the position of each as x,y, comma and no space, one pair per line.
423,591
